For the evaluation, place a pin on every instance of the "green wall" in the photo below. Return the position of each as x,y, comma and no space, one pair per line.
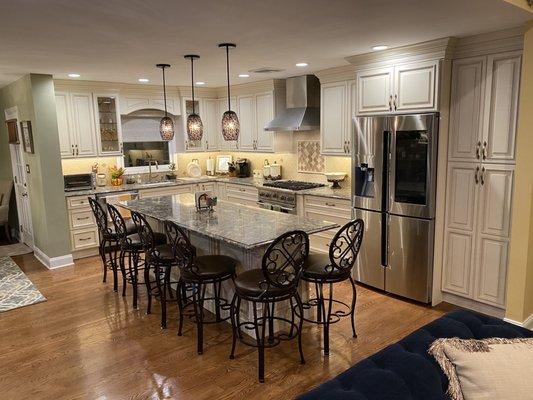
34,97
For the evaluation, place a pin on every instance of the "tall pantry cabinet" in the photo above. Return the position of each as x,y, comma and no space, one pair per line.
480,176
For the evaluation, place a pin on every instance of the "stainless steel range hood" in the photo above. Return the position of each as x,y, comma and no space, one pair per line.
303,106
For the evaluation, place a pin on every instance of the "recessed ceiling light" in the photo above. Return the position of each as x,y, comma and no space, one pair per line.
244,75
302,64
144,80
380,47
200,83
73,75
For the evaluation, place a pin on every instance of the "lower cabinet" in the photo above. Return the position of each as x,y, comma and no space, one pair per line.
165,191
478,219
328,209
83,229
241,194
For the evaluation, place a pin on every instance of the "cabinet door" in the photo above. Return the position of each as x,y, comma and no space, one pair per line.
333,118
458,266
223,107
501,107
374,91
64,125
264,113
193,145
415,86
108,125
461,196
211,120
246,113
351,112
84,124
467,97
491,279
495,199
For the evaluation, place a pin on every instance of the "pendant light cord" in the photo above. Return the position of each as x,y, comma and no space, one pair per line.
192,84
227,73
164,91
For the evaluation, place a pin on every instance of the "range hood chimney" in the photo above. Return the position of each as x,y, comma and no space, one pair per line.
303,106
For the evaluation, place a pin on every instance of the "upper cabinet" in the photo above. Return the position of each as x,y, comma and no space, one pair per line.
223,107
484,108
405,87
109,131
337,109
135,102
211,120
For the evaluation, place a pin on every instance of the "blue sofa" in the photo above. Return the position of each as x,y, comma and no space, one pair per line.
404,370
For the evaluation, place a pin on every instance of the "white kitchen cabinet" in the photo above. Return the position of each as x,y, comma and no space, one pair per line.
467,108
241,194
222,108
211,120
484,108
501,107
64,125
477,232
246,114
134,102
337,109
400,88
108,124
187,107
165,191
375,90
264,113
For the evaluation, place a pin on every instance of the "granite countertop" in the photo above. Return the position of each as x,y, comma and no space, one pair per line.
238,225
326,191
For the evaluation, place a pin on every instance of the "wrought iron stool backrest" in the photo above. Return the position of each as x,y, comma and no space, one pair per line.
345,246
184,251
284,259
118,223
145,231
101,217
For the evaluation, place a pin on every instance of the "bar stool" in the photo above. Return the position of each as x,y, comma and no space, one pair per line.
131,248
276,281
160,259
196,273
331,268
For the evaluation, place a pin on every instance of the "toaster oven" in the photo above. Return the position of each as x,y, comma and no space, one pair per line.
76,182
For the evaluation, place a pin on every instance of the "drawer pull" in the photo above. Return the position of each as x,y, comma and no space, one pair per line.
330,204
82,219
85,239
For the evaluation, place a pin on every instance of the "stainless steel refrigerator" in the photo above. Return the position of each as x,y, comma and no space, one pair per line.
394,185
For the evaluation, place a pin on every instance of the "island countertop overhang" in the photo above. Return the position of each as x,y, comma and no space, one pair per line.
241,226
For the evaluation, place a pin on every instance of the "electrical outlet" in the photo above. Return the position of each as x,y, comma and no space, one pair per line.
27,168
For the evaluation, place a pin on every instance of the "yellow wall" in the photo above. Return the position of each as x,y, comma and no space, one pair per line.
521,3
520,274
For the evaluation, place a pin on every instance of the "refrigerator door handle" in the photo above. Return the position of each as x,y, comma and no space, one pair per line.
384,240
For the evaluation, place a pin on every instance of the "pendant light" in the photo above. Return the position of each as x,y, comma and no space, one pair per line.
230,122
166,125
195,128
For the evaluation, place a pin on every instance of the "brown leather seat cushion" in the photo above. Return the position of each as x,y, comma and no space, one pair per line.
135,241
318,266
211,266
130,228
249,284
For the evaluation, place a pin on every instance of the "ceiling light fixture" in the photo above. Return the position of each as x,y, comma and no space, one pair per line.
143,80
200,83
230,122
74,75
244,75
166,125
195,127
302,64
380,47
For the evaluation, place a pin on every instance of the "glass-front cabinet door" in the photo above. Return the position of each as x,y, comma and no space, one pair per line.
108,125
193,145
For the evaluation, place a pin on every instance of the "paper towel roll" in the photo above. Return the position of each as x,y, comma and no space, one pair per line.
210,166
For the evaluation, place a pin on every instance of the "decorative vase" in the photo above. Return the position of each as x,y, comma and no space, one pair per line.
117,181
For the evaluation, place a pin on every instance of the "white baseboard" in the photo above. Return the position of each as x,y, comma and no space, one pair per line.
528,323
54,262
473,305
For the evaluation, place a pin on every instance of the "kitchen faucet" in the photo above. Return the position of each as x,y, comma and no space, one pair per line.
150,162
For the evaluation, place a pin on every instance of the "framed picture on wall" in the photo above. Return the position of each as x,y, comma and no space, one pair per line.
12,131
27,136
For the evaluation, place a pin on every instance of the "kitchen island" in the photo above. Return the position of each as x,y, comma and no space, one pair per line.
235,230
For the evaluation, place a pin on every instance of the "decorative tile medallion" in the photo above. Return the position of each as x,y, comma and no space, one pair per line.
16,290
309,157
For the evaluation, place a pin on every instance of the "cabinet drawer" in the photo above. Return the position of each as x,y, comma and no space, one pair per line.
83,239
320,241
327,202
82,218
330,217
206,187
242,200
242,189
167,191
78,202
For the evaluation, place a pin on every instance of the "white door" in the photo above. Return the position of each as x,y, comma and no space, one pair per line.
466,120
84,124
264,113
415,86
211,120
222,108
374,91
21,192
333,118
246,113
491,270
64,125
501,107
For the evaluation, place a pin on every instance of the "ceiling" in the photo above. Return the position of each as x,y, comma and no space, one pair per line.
122,40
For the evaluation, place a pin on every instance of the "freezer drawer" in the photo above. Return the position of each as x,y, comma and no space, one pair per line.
410,257
368,268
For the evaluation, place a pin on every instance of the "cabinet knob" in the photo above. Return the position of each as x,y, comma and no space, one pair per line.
476,179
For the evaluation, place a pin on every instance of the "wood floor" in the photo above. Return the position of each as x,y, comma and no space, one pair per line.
86,342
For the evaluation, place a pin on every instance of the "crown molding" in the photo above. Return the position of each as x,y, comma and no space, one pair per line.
337,74
490,43
251,87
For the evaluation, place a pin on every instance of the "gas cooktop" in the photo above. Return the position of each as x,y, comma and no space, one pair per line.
293,185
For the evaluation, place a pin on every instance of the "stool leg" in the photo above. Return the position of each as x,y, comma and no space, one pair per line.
179,293
148,285
122,264
352,311
327,320
162,295
318,304
233,326
238,317
101,250
300,326
199,311
216,289
270,322
260,342
132,262
292,317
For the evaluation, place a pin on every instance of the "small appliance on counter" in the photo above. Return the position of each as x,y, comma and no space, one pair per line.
272,171
210,167
101,180
335,178
193,169
243,168
79,182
